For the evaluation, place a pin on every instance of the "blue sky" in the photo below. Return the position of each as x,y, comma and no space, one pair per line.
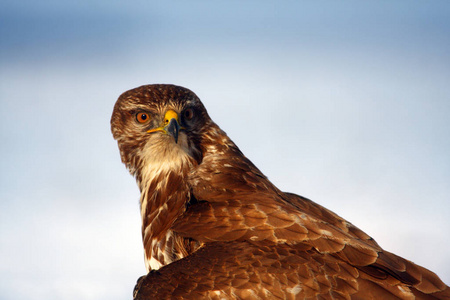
345,103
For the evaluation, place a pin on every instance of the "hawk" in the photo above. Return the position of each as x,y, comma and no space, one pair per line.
214,227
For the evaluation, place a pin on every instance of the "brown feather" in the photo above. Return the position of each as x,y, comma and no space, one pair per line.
219,229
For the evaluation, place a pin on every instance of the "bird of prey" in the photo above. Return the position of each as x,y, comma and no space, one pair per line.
214,227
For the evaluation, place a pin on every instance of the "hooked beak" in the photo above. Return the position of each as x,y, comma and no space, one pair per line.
170,126
173,128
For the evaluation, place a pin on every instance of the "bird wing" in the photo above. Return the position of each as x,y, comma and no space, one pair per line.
265,270
247,270
288,220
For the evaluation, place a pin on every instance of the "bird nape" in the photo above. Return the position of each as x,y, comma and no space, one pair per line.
213,226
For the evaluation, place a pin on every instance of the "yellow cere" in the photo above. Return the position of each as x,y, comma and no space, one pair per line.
170,114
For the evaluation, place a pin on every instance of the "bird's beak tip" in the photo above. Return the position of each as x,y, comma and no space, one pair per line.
173,129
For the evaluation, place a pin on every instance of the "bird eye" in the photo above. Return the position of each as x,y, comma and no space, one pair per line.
142,117
189,114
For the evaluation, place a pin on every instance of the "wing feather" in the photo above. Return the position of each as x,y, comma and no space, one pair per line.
228,270
284,223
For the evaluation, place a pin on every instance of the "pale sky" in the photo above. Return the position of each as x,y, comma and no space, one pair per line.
347,104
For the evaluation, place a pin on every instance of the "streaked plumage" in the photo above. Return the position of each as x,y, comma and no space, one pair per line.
214,226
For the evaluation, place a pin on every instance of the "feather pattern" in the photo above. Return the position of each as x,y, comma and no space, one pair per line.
214,227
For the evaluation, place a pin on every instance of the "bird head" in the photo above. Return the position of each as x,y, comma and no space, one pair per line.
159,126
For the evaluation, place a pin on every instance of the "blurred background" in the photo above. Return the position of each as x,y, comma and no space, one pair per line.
345,103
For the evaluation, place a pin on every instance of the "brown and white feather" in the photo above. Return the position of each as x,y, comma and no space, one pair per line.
217,228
